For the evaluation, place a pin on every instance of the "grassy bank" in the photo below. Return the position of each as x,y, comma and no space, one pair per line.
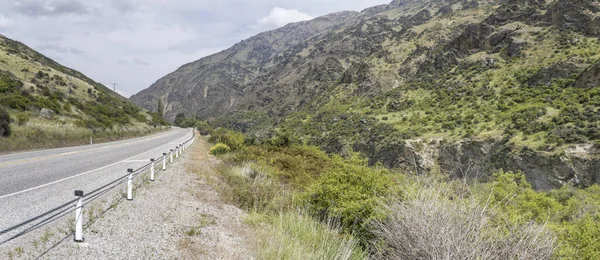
333,207
38,133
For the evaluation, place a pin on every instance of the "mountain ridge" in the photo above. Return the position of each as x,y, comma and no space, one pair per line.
524,72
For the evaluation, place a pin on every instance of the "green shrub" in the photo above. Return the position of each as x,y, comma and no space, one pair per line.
22,118
349,191
15,101
233,139
519,202
203,127
219,148
579,239
296,165
4,123
9,83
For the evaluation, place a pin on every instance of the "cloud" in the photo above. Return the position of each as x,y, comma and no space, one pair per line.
123,6
5,22
59,49
280,16
103,39
36,8
140,62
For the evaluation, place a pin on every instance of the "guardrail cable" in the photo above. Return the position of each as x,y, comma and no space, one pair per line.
68,207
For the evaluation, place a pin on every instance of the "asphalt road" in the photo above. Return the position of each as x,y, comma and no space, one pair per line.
34,182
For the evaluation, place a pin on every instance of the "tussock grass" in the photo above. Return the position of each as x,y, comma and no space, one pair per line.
253,188
434,223
296,236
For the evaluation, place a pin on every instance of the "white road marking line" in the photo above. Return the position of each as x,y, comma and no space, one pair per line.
75,176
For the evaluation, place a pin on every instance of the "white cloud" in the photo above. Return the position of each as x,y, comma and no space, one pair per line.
5,22
280,16
103,39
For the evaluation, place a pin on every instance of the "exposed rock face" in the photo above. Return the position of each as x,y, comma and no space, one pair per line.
578,15
214,85
590,78
479,159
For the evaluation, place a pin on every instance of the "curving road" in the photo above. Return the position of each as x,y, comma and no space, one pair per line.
34,182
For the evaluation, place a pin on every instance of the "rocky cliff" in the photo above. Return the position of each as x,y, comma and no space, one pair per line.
521,75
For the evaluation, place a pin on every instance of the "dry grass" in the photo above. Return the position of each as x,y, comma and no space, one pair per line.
296,236
44,134
433,223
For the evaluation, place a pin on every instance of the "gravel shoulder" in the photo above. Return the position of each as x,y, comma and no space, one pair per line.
178,216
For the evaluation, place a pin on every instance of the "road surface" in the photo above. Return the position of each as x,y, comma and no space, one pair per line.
34,182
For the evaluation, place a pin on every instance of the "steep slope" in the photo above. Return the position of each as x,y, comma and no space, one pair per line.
51,105
516,80
213,85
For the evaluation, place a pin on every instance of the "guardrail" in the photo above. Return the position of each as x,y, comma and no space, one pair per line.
78,204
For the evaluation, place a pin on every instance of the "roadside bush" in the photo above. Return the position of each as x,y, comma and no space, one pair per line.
4,123
219,148
203,127
235,140
254,189
351,192
296,165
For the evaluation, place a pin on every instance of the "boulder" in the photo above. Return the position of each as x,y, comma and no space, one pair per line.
47,113
590,78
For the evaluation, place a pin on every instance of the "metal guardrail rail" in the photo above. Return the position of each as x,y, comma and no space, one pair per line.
77,205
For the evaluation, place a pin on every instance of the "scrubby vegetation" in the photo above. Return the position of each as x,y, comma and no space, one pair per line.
52,106
219,148
4,123
300,194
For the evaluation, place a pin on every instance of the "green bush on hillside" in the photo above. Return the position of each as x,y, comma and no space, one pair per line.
349,191
4,123
574,214
219,148
296,165
22,119
235,140
203,127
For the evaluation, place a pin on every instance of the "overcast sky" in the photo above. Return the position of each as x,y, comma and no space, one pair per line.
135,42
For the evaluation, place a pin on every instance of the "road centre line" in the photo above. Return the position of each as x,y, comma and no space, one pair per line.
75,176
35,159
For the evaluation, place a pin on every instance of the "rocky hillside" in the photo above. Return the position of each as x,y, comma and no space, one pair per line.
50,102
521,76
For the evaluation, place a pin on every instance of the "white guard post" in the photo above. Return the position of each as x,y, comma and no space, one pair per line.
130,184
152,169
79,217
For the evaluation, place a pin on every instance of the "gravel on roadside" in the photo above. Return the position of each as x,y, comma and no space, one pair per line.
178,216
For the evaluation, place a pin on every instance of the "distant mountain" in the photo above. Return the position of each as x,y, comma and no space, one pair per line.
522,72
